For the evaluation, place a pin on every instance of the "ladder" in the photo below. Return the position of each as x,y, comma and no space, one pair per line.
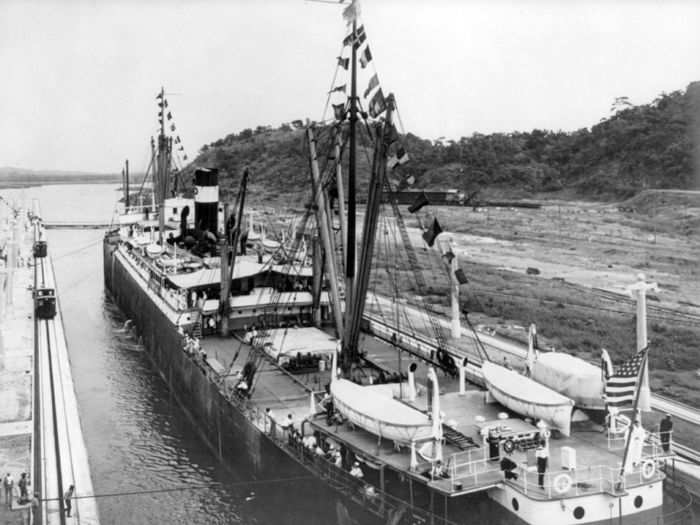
458,439
197,329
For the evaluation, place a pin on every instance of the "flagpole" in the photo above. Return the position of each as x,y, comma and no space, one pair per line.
634,411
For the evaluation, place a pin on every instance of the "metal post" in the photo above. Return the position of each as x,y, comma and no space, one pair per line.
454,296
639,291
225,258
381,486
317,261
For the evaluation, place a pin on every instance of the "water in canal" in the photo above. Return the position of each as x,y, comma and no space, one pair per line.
139,441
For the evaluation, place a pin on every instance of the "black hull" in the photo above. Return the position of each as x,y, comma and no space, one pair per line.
226,431
236,441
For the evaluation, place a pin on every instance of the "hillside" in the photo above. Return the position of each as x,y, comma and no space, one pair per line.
636,148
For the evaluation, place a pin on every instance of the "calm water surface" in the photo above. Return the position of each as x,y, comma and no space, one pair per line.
138,439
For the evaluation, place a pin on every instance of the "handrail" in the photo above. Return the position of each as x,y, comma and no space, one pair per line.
589,480
374,500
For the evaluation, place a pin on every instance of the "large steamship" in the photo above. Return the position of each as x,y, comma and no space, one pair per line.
269,349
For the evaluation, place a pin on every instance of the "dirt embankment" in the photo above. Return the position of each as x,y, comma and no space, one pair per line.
567,267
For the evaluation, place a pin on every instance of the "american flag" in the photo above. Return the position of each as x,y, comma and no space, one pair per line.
621,386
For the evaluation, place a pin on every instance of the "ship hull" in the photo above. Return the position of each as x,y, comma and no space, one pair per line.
236,441
227,432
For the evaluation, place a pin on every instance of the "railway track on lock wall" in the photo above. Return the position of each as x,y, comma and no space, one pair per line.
45,326
654,311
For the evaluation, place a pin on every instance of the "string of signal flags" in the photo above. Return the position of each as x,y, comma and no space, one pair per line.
377,105
162,113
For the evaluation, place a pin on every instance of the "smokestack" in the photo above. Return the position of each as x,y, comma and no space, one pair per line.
206,199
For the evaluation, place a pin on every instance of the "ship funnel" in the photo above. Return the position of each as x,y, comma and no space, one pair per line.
206,199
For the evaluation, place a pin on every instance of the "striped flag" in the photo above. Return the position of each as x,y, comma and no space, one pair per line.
356,37
378,104
621,386
373,83
343,62
365,58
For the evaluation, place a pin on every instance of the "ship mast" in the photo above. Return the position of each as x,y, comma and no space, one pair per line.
351,241
369,230
162,169
228,252
349,353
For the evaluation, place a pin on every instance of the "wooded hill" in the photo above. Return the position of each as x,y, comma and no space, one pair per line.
637,147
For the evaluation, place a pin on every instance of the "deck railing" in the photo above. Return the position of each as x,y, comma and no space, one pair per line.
390,508
589,480
466,472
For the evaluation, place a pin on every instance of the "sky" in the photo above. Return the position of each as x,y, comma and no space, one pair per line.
78,78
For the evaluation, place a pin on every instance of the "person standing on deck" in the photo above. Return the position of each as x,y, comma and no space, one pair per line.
8,483
542,455
665,430
356,471
23,482
288,427
67,498
636,445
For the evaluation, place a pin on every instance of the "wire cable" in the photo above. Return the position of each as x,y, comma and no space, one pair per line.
183,488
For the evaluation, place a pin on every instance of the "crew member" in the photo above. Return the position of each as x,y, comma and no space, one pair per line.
438,470
8,484
67,498
23,482
508,466
494,442
636,445
542,455
665,430
356,471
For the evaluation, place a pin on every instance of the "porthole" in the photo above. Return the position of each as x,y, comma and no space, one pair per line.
579,513
515,504
638,501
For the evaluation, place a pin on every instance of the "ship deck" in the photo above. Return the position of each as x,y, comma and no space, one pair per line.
469,468
285,393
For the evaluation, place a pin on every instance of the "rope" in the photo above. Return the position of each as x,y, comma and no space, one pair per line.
182,488
330,91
